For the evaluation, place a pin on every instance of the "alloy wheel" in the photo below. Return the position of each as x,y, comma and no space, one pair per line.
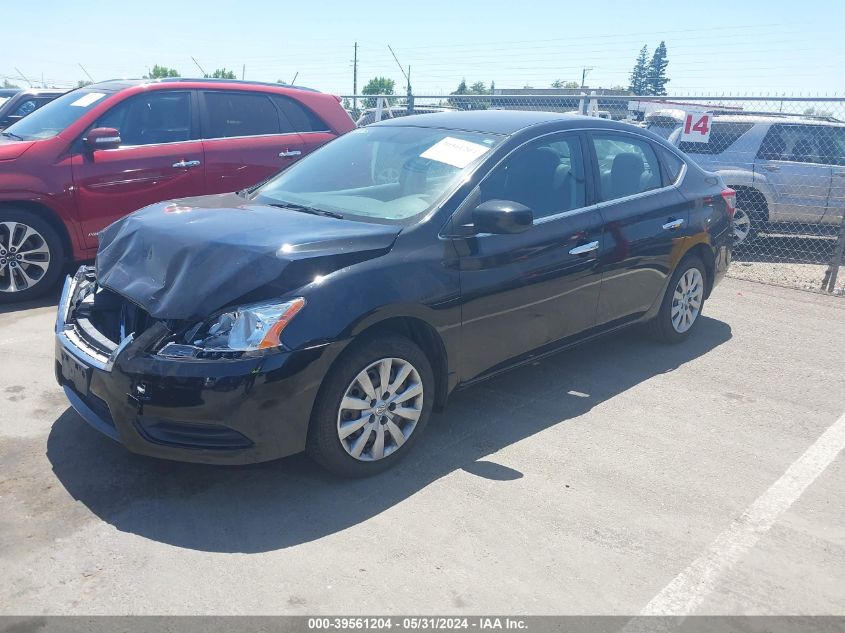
24,256
686,300
741,226
380,409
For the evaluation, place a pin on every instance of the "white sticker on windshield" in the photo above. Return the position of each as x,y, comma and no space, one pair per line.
454,151
86,100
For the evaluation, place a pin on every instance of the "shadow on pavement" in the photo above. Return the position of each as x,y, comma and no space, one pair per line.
291,501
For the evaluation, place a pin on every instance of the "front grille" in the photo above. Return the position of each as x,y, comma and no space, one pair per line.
197,436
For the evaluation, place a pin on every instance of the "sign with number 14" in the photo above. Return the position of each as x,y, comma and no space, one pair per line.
697,127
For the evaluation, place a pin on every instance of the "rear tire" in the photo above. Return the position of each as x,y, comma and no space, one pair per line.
376,378
683,302
31,256
751,215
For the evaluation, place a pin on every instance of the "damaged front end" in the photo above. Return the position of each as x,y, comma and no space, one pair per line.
203,390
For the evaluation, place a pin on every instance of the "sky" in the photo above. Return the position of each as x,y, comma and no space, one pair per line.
715,47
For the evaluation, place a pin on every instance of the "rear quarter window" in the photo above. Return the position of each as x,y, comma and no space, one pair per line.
671,164
722,136
300,117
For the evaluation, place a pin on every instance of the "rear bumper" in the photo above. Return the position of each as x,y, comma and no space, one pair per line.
221,412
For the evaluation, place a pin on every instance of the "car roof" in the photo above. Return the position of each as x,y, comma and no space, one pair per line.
43,91
120,84
774,118
498,121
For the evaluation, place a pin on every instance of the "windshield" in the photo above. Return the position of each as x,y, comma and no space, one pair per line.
55,116
3,100
382,174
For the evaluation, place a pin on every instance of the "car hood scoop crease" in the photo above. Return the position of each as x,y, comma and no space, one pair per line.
179,261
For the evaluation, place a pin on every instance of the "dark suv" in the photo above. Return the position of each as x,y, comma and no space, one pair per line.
95,154
23,103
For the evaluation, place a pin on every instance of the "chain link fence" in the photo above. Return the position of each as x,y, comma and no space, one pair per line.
785,157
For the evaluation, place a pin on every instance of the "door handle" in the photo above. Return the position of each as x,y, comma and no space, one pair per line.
584,248
769,167
187,164
671,225
290,152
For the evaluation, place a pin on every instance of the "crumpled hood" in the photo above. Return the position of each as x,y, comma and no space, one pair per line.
11,149
187,258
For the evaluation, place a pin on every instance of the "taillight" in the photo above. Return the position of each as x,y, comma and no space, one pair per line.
729,196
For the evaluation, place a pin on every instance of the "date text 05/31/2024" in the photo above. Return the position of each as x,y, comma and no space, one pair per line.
416,623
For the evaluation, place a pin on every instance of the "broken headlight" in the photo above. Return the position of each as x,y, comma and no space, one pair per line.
245,329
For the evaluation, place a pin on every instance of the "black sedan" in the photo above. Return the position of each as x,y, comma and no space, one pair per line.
331,308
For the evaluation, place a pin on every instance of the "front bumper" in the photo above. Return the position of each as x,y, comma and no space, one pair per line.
223,411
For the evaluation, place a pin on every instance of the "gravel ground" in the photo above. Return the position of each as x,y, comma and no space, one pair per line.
801,276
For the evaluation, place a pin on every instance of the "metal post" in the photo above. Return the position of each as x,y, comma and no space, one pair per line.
355,81
830,275
410,94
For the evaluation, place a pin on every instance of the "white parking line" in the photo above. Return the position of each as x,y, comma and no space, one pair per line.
688,590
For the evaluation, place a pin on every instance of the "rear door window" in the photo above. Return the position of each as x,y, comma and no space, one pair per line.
722,136
231,114
796,143
627,166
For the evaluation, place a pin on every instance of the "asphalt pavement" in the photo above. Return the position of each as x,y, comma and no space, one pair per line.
618,478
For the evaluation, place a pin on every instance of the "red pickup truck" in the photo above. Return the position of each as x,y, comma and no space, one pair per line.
98,153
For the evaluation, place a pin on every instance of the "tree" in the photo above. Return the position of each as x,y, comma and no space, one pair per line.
282,81
378,86
656,79
638,85
9,84
83,82
478,88
222,73
159,72
557,83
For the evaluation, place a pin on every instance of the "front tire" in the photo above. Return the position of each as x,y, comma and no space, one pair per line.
680,310
31,256
372,407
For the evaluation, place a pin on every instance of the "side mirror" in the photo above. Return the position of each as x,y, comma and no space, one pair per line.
502,216
102,138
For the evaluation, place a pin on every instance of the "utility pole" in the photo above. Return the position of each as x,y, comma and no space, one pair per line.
23,76
204,74
407,78
355,80
584,72
243,72
87,74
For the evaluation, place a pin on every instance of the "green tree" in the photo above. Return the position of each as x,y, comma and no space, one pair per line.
378,86
222,73
656,78
9,84
638,85
83,82
558,83
282,81
478,88
159,72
